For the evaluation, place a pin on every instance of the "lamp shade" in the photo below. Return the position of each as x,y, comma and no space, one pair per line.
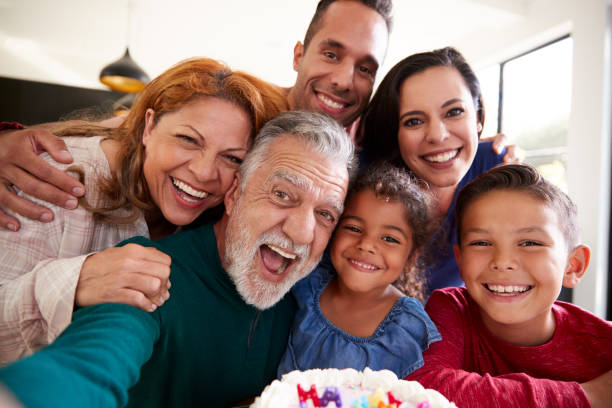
124,75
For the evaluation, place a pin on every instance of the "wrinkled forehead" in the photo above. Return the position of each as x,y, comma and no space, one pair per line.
300,164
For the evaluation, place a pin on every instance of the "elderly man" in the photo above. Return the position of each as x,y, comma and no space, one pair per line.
219,337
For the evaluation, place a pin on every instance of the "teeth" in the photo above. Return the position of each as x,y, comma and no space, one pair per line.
281,252
364,265
188,189
507,289
442,157
329,102
281,268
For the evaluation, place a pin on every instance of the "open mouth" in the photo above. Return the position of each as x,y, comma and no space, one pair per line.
507,290
188,193
442,157
276,259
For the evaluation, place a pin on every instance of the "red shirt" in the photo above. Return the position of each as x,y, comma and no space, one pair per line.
473,368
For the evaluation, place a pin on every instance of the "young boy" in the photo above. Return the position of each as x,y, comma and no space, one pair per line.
506,341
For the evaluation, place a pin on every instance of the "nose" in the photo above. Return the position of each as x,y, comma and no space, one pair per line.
437,132
503,260
299,226
366,244
204,166
342,77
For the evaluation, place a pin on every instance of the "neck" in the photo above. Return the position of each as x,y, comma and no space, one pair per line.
158,226
220,227
288,92
444,195
534,332
362,299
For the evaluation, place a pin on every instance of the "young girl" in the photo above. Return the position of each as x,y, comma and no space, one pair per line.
353,311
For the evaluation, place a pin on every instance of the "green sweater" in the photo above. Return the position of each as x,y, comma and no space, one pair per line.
203,347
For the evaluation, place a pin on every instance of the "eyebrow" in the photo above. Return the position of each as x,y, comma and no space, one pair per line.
386,226
196,131
338,45
233,149
518,231
306,185
418,112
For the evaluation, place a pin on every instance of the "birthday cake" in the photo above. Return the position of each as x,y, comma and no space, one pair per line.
348,388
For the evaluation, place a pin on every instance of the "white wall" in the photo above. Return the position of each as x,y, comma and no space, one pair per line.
589,22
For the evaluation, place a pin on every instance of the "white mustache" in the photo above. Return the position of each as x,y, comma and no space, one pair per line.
281,240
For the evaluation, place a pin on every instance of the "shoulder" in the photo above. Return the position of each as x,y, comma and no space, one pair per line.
84,150
484,160
410,317
309,288
457,296
184,242
581,321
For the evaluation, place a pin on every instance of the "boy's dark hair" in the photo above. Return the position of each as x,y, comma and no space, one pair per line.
382,7
522,178
397,185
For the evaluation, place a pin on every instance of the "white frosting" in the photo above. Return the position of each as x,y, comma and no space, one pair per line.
281,394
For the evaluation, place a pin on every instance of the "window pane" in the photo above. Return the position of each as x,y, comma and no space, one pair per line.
536,106
489,86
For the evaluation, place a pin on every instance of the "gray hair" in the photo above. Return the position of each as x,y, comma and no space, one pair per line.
317,130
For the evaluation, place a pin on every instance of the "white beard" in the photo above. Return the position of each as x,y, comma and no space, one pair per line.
241,262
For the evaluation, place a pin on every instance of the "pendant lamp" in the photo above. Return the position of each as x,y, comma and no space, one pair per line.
124,75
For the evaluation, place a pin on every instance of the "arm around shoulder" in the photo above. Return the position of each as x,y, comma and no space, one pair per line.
20,166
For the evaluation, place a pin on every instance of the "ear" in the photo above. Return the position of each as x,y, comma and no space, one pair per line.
232,195
457,252
298,53
149,120
577,264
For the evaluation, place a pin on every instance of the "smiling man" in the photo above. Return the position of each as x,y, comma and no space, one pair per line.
220,336
336,65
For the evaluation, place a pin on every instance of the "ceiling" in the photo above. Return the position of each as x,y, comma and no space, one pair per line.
69,41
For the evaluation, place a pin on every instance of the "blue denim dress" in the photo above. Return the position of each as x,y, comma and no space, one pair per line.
314,341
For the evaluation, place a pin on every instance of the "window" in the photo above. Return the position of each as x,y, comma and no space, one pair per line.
531,96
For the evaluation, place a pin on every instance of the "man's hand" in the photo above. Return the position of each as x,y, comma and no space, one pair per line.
132,274
599,390
514,154
21,166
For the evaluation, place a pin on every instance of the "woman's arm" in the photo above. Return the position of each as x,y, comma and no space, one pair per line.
45,270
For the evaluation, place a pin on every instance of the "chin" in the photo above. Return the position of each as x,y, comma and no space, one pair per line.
180,219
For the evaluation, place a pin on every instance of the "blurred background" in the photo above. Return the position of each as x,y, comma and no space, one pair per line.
545,68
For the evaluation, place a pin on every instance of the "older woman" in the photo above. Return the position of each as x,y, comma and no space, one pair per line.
172,159
427,115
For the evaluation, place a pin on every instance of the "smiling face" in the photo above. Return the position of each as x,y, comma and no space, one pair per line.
438,126
280,224
192,154
514,259
372,243
336,72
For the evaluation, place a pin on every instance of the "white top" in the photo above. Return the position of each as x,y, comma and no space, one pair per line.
40,264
